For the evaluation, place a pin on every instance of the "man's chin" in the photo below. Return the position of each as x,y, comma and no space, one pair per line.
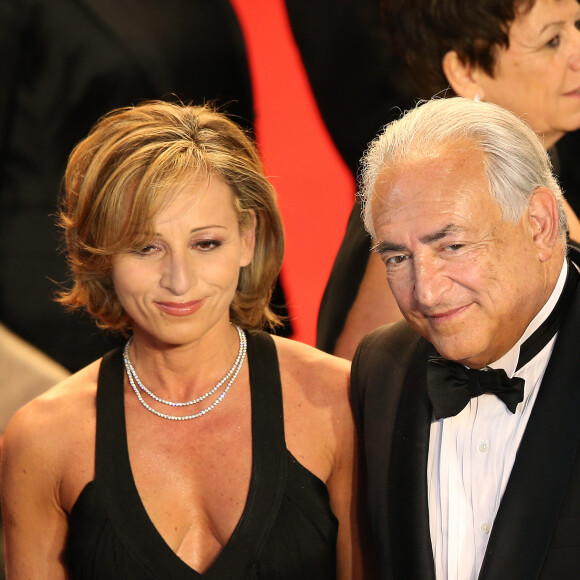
459,351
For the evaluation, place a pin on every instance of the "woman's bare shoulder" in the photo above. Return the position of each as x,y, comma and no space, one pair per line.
57,413
292,352
315,387
322,375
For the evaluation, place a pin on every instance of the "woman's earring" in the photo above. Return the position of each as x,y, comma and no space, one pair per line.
476,98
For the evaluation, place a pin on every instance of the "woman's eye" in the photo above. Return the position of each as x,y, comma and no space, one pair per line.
146,250
555,42
207,244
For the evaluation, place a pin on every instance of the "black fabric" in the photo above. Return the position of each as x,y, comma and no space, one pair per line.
287,529
545,332
358,82
359,85
451,386
346,275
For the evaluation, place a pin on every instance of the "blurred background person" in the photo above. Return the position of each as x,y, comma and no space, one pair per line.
523,55
25,373
174,238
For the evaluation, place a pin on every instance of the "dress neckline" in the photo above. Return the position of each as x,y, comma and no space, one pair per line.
267,481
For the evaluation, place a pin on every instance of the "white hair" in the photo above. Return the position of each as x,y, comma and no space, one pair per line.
515,160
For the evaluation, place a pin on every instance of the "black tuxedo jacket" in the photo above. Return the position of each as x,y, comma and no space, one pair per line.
536,533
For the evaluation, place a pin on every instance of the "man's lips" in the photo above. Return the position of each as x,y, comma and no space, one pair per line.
446,315
179,308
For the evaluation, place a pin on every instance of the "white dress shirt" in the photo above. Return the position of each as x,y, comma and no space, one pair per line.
471,457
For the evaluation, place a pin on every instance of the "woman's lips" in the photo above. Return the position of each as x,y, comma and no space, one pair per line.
179,308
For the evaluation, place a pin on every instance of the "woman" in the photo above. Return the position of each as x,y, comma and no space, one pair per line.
204,446
521,54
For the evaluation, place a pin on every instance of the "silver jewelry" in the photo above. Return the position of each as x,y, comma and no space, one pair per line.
230,377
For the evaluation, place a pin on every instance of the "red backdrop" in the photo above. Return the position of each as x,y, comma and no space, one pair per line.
315,188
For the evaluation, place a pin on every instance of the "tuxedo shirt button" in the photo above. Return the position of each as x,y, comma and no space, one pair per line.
485,528
484,446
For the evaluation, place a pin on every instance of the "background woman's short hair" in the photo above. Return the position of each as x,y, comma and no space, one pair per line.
423,31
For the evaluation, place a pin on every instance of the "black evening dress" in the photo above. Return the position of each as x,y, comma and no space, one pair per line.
287,529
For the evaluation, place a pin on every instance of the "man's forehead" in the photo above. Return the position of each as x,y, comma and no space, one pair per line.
426,195
422,176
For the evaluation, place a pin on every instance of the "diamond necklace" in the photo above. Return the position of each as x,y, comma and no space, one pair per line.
232,374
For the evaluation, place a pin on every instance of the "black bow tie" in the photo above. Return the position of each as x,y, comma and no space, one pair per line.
450,385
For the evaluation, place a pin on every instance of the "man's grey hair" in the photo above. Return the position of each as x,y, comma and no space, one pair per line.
515,160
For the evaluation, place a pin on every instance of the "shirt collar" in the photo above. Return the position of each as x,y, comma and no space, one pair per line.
509,361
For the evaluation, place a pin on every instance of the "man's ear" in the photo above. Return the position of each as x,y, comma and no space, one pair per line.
461,76
544,221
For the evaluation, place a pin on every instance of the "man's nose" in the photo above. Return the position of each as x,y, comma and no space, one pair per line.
431,280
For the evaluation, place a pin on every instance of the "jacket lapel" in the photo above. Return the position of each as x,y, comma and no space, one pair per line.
408,501
531,503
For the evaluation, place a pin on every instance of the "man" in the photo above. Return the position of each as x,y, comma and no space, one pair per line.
468,220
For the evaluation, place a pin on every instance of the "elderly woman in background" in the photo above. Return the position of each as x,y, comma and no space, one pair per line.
521,54
205,445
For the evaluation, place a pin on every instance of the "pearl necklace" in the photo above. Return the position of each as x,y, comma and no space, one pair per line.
232,374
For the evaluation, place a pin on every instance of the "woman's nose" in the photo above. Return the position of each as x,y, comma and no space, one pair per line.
178,274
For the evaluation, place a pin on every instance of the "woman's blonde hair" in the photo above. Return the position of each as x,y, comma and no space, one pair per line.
128,168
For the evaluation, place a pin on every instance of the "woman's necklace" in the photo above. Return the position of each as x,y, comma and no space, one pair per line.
230,377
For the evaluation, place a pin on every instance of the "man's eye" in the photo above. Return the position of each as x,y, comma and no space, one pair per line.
394,260
454,247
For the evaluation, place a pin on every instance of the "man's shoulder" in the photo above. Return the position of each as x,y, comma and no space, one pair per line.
385,352
379,368
389,341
